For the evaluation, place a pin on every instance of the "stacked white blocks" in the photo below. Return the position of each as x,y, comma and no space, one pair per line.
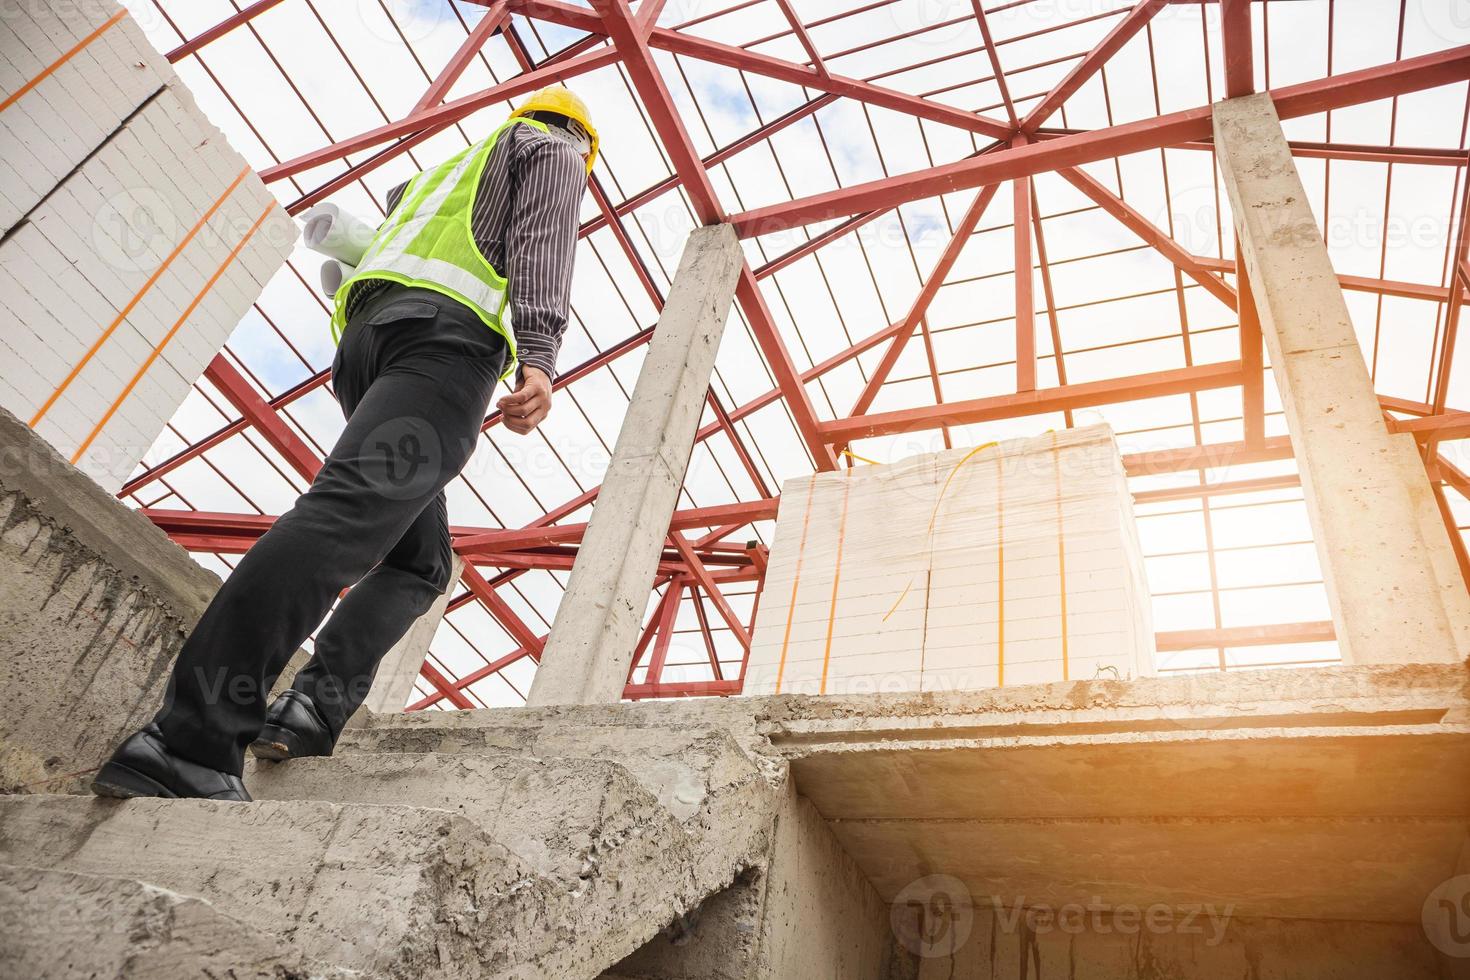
135,238
1013,563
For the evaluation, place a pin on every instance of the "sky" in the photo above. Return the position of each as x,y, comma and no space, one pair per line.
308,72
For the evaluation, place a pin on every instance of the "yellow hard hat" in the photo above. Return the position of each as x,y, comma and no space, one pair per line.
562,100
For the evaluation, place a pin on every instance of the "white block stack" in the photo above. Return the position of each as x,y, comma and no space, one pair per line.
1013,563
134,236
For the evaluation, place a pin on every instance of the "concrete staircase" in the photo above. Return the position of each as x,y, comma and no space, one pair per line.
471,844
389,863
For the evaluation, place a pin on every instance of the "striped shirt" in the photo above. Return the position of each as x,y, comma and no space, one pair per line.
525,224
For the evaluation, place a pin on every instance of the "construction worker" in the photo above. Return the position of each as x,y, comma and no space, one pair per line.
423,340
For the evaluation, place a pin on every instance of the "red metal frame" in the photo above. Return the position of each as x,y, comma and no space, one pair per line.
1015,149
1306,98
258,413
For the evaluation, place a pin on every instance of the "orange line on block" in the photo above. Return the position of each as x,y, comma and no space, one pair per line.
899,601
158,348
15,96
1056,464
934,517
836,578
1000,569
137,297
806,519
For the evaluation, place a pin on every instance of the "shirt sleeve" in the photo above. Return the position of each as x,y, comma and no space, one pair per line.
396,195
540,246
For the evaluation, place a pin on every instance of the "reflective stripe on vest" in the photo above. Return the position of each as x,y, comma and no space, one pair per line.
427,242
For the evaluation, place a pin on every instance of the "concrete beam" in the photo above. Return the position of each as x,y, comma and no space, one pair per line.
1382,563
591,642
399,668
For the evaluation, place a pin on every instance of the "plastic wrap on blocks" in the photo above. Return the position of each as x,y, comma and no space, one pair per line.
1010,563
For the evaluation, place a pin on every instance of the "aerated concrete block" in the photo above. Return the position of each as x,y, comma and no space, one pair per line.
1004,564
132,237
101,69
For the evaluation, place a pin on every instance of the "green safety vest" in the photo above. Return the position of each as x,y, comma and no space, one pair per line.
427,242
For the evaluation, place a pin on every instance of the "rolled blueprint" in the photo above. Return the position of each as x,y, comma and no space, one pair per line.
334,274
333,232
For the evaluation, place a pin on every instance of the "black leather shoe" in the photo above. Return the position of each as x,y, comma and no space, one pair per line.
144,766
293,728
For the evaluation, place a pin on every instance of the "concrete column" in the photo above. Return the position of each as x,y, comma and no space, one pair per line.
591,643
400,667
1385,563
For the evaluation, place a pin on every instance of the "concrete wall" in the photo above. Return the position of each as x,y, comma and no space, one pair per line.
808,913
1012,945
134,236
96,603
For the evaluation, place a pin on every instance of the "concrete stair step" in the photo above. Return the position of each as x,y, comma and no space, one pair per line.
385,891
573,820
61,925
722,795
399,863
586,823
682,765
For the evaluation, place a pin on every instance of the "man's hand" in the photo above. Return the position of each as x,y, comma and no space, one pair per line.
529,403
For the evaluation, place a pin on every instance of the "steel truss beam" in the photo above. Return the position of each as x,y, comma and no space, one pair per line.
631,44
1040,402
676,42
1292,101
1025,150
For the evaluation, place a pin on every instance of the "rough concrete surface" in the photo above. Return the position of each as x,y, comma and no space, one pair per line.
590,647
733,839
808,912
572,819
504,864
1384,566
61,925
390,891
702,771
681,760
1016,945
1333,803
627,863
97,602
1315,793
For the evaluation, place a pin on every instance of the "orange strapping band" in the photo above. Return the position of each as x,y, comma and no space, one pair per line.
1000,570
836,579
806,519
158,348
1056,464
934,515
137,297
70,54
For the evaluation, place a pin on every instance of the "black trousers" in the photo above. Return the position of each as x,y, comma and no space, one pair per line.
414,373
